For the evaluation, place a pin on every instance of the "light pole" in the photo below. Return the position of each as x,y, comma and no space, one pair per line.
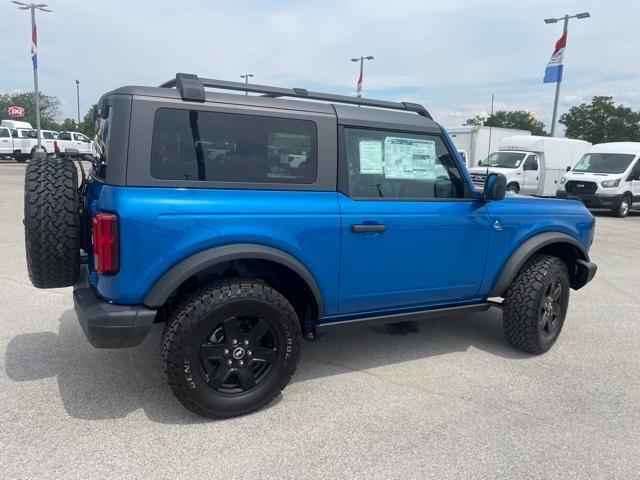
246,80
34,58
360,78
565,29
78,100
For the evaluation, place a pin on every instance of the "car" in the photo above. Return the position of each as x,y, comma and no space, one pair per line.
74,141
19,140
606,177
246,223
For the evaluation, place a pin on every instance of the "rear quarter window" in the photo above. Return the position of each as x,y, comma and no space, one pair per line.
229,147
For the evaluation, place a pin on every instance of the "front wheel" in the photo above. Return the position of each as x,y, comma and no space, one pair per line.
536,303
513,188
230,348
622,209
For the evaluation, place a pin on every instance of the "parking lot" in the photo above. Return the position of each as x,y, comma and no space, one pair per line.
440,399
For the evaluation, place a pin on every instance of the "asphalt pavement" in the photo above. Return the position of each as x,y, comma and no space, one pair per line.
437,399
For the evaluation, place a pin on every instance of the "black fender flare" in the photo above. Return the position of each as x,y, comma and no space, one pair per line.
528,248
194,264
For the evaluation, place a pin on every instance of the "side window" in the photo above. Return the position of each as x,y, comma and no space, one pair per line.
14,133
47,135
229,147
531,163
4,133
392,165
79,137
64,136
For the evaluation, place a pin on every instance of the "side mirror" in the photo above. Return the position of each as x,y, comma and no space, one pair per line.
495,186
568,168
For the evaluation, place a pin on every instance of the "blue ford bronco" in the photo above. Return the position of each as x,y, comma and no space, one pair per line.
246,223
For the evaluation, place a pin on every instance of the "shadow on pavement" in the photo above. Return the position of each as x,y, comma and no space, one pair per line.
97,384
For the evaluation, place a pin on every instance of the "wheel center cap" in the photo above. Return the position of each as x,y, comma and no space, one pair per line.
238,353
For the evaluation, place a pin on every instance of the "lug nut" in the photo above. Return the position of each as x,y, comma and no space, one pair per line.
249,352
241,363
246,342
226,351
229,362
234,341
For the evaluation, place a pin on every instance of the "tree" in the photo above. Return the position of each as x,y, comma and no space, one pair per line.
68,125
49,107
88,124
476,121
601,121
518,119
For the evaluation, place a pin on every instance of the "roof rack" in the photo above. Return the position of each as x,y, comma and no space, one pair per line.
192,88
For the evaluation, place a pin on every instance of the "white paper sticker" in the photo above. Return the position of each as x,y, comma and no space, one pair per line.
370,156
409,158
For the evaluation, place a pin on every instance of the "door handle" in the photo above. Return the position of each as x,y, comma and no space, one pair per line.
368,228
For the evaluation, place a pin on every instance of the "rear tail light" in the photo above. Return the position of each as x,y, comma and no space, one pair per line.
106,244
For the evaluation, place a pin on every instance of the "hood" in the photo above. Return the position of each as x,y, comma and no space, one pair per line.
491,169
592,177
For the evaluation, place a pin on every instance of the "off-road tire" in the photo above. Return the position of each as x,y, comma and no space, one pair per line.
621,210
513,187
207,308
52,222
524,301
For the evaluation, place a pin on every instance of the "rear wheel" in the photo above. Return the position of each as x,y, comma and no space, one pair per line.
52,222
230,348
536,303
622,209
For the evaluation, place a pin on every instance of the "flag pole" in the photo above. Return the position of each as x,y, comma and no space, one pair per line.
34,39
555,103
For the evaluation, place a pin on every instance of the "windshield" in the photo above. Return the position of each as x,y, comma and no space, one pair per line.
604,163
504,160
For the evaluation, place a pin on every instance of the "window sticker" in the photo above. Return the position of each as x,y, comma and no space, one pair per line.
370,156
409,158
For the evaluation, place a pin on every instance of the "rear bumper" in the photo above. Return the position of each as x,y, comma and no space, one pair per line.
107,325
592,200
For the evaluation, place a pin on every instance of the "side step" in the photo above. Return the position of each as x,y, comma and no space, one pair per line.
407,317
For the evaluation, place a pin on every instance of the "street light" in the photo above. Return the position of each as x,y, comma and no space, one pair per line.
78,99
246,81
360,78
34,58
565,28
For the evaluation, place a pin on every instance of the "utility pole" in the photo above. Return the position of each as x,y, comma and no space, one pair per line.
361,77
78,99
246,81
34,58
490,131
565,29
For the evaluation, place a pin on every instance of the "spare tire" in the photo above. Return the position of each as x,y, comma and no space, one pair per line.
52,222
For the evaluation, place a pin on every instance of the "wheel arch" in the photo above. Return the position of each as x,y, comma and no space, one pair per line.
200,262
558,244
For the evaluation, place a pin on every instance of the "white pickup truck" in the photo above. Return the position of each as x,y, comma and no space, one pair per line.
75,141
19,140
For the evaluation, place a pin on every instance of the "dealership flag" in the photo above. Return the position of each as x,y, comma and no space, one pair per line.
359,89
34,47
553,72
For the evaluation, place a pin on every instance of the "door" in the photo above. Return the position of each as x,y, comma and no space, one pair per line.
410,237
83,143
6,143
531,175
635,184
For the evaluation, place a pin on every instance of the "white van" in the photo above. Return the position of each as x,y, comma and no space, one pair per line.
15,124
6,142
532,164
607,176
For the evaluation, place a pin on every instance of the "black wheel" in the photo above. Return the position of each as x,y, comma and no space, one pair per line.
52,222
535,304
513,188
21,158
622,209
230,348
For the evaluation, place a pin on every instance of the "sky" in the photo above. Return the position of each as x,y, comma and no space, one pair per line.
450,56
